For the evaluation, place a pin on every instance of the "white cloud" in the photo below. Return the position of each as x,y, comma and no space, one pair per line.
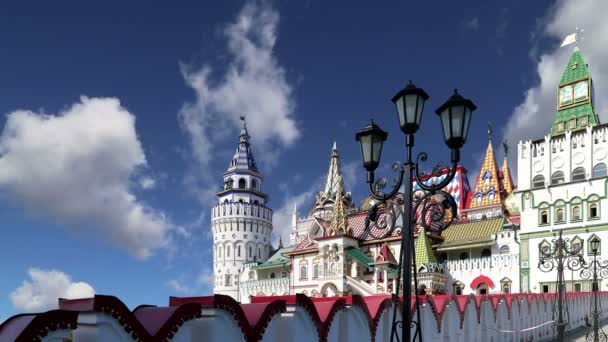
147,183
532,119
254,85
76,167
45,287
179,287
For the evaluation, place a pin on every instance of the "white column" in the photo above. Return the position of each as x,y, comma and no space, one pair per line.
394,285
375,280
385,280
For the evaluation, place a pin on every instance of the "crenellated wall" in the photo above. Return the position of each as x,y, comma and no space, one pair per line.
515,317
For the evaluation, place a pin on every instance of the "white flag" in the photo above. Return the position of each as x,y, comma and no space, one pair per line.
569,39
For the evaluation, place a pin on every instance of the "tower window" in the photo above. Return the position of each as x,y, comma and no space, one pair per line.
557,178
538,182
544,217
227,251
228,280
559,215
242,183
576,213
578,174
254,184
505,250
599,170
593,212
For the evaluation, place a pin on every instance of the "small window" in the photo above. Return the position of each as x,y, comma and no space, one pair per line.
538,182
593,211
578,174
557,178
238,251
545,247
544,217
315,271
228,280
254,184
577,287
486,177
464,256
478,196
505,250
545,288
242,183
227,251
486,253
560,126
577,245
576,213
599,170
303,273
559,215
491,193
272,276
584,120
284,275
572,124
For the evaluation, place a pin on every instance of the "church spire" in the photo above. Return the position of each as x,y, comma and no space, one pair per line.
334,173
424,251
339,220
243,157
574,99
507,180
487,189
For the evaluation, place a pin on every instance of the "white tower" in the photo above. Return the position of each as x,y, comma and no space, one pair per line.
241,222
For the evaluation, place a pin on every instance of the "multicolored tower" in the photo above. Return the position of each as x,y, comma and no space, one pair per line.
241,222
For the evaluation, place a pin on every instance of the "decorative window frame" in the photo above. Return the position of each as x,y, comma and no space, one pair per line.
560,205
542,244
556,177
534,181
578,239
593,175
593,200
544,207
572,175
589,252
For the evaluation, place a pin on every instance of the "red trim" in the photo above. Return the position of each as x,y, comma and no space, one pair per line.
33,327
482,279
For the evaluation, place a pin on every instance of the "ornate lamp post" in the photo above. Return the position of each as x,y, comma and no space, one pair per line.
595,269
559,256
434,208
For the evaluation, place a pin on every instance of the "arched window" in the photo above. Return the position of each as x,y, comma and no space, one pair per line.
227,251
505,250
272,275
315,271
486,253
254,184
249,255
238,251
303,274
242,183
578,174
284,275
594,209
557,178
576,212
599,170
491,193
593,212
544,216
538,182
478,196
559,215
464,256
219,252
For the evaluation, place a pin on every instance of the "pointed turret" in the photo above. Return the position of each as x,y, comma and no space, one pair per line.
574,101
334,183
243,157
506,180
339,220
487,190
424,251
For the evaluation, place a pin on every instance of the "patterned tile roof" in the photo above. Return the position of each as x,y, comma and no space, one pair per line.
576,68
507,180
424,251
471,232
487,189
458,187
243,157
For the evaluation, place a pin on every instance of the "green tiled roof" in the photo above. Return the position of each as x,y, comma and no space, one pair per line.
576,69
424,251
469,233
277,259
572,74
358,255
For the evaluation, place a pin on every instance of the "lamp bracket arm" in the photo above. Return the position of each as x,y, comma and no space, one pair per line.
439,169
375,187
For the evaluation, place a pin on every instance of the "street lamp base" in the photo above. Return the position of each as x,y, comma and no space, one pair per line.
601,336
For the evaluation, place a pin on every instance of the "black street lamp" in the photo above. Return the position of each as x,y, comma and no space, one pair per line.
560,255
430,206
594,270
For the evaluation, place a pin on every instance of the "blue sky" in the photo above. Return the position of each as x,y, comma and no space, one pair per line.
119,119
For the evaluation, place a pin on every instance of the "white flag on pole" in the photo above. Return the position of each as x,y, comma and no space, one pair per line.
569,39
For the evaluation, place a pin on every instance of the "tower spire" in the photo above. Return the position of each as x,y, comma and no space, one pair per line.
339,221
243,156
